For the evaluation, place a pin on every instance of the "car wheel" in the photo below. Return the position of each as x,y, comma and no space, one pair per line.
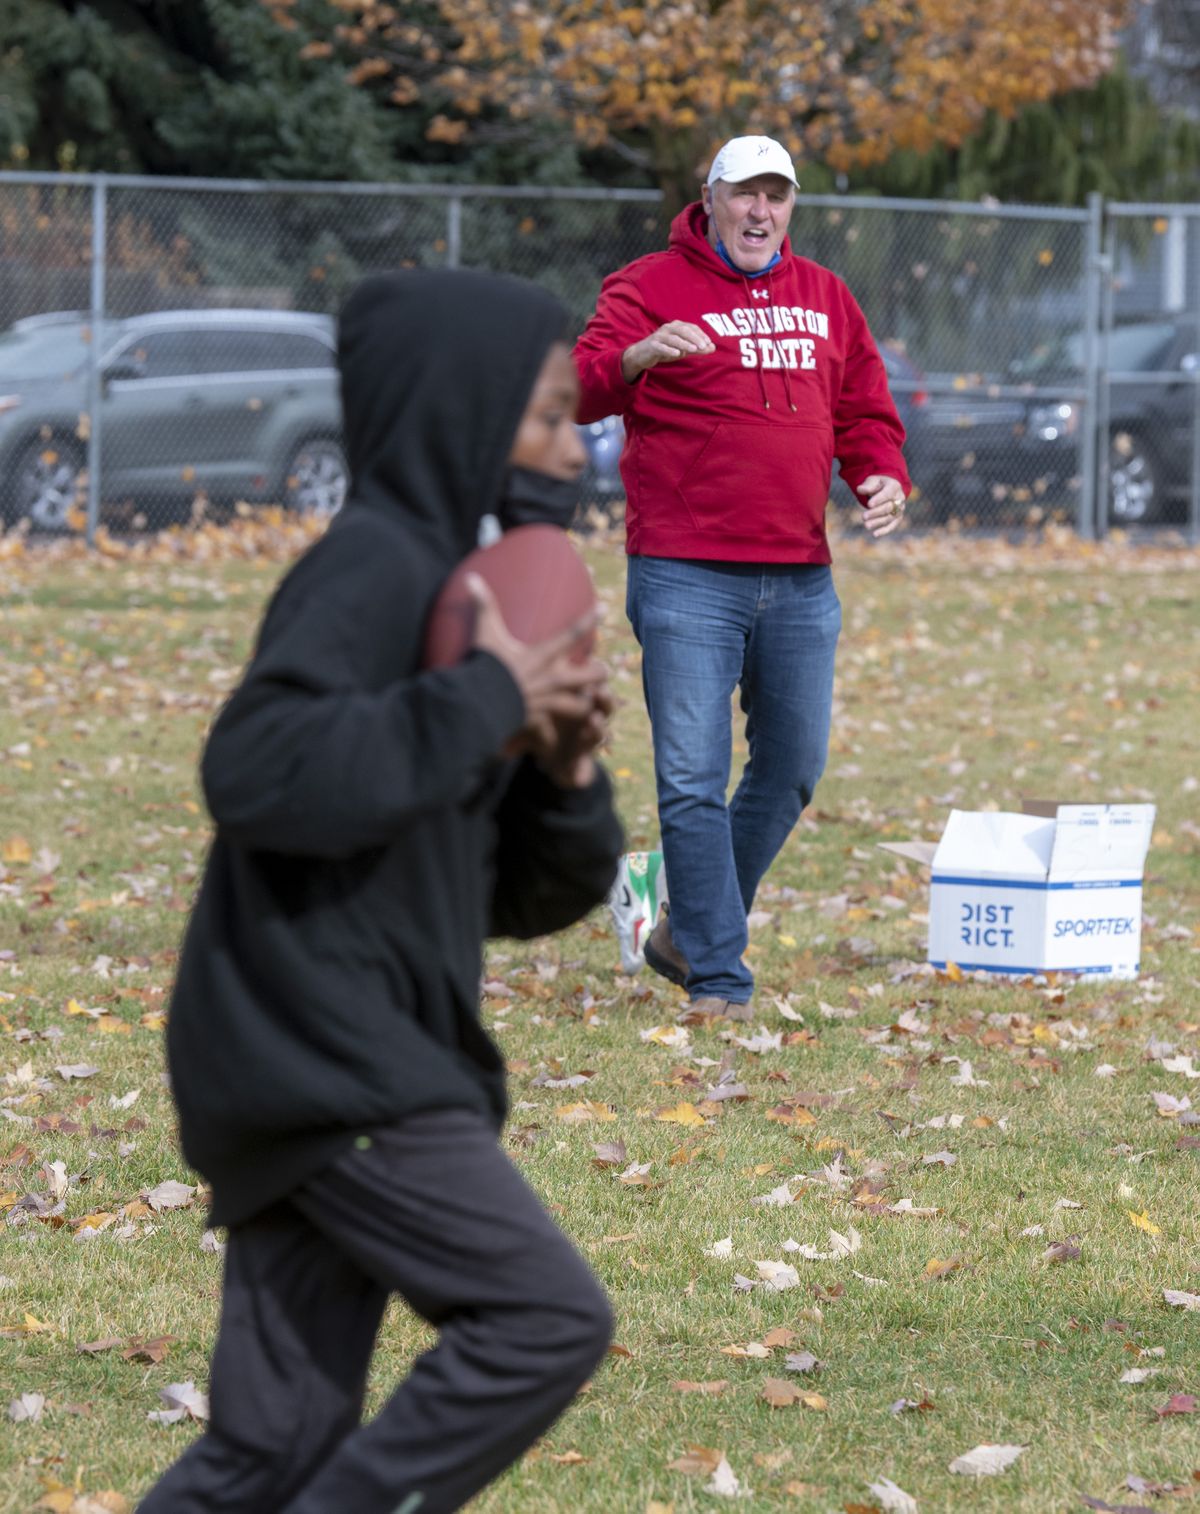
317,479
1134,486
44,485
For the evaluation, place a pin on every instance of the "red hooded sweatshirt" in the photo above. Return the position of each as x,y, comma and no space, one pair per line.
728,454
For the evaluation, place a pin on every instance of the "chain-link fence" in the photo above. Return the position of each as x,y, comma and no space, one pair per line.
167,349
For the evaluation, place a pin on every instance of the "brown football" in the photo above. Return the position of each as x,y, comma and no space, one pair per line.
541,584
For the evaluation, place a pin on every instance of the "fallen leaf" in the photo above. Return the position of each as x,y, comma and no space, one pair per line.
697,1461
674,1036
1144,1222
893,1499
567,1458
779,1393
942,1158
77,1070
1178,1403
1179,1300
679,1114
183,1401
29,1326
1061,1251
936,1268
801,1361
777,1276
1138,1374
27,1409
717,1385
1115,1508
94,1348
588,1109
985,1460
724,1482
169,1195
150,1351
720,1250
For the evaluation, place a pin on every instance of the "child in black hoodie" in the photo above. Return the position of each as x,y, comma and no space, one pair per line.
333,1082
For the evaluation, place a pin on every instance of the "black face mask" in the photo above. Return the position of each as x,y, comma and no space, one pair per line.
537,499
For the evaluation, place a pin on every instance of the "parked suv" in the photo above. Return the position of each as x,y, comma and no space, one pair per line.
983,450
236,404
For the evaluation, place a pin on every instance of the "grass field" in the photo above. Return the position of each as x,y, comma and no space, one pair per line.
970,674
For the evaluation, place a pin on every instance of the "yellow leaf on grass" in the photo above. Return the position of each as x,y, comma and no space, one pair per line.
935,1267
153,1019
74,1007
588,1109
59,1500
814,1401
655,1506
16,849
8,1199
114,1025
680,1114
1144,1222
30,1325
787,940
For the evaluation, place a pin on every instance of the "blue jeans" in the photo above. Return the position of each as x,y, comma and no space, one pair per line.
707,629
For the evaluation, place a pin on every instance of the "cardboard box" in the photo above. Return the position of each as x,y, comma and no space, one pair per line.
1057,890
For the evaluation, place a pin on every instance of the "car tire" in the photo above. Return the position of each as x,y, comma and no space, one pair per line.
1135,489
317,479
43,485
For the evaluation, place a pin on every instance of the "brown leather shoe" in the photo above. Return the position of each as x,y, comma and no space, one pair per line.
723,1008
664,956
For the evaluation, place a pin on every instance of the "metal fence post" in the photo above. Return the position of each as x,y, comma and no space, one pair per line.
1193,531
1108,264
1089,433
453,232
99,272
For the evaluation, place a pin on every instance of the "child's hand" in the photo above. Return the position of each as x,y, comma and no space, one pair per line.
553,685
565,754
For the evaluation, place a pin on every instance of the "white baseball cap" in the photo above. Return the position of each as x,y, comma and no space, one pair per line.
747,157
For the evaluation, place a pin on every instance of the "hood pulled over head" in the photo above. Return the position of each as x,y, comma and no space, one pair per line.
437,367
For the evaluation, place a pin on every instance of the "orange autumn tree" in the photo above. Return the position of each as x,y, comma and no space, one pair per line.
845,82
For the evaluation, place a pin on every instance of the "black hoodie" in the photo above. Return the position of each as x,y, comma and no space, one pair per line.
367,836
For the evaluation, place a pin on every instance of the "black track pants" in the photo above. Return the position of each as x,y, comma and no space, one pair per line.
432,1210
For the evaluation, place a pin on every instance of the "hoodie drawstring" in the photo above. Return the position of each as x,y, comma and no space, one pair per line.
762,383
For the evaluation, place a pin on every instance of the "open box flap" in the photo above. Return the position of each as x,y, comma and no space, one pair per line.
1101,842
995,844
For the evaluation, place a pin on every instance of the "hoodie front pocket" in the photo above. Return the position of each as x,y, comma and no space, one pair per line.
751,479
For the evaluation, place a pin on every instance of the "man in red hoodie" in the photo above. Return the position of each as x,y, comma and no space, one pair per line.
741,372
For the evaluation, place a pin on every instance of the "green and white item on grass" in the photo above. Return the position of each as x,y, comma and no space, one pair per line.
634,902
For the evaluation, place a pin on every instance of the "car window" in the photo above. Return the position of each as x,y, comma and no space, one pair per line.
293,349
160,354
231,350
1129,348
1133,347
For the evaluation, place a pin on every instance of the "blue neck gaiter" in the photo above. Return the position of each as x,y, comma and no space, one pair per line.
745,273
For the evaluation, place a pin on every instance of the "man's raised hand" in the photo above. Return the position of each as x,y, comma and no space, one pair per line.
675,340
